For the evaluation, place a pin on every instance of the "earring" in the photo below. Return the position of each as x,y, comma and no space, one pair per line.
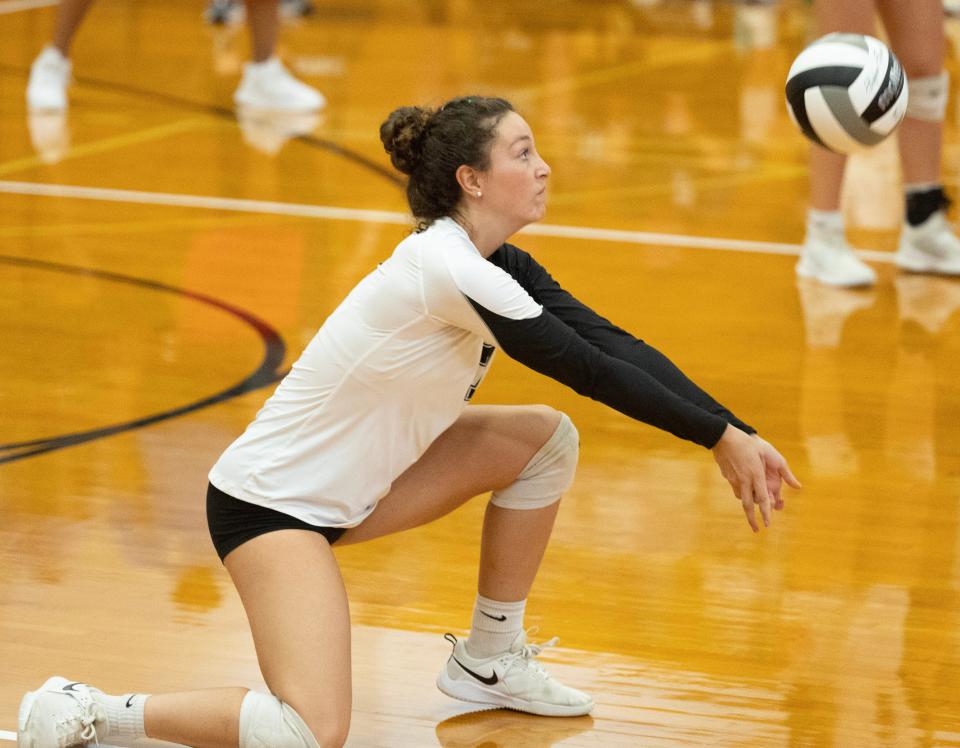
479,193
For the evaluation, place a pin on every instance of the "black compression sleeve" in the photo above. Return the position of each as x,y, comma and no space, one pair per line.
602,333
547,345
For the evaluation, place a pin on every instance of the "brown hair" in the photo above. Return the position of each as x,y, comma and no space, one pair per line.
429,145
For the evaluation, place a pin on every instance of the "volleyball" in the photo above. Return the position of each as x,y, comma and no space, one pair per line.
847,92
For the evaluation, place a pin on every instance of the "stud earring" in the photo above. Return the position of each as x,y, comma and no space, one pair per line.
479,193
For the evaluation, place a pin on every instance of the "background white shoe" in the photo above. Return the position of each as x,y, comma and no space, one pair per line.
49,78
512,679
269,85
834,263
931,247
59,714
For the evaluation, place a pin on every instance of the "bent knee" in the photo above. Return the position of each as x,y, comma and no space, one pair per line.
550,471
268,722
328,727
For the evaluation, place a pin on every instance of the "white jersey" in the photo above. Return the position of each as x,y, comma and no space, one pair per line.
391,369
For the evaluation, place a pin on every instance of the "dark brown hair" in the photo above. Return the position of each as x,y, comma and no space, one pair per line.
429,145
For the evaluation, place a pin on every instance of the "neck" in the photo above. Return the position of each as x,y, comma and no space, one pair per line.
486,233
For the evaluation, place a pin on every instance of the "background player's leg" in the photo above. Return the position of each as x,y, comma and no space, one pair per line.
826,256
826,167
263,20
916,31
70,14
266,83
917,35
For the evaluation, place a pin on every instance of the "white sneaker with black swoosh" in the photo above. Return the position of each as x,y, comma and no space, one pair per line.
59,714
512,679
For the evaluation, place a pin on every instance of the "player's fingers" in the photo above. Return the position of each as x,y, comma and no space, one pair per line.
750,514
762,499
773,488
788,476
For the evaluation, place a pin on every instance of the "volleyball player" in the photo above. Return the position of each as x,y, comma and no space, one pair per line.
927,241
371,433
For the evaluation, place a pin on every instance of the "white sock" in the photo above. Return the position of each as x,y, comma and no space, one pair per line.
495,626
823,223
124,717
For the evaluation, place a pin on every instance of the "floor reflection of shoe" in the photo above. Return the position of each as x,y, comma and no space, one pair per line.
927,300
512,679
49,134
269,131
826,309
269,86
501,728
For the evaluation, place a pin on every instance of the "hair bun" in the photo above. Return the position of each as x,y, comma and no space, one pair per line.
402,136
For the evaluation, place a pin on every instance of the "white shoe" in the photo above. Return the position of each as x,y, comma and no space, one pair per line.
49,78
269,85
829,259
931,247
512,679
59,714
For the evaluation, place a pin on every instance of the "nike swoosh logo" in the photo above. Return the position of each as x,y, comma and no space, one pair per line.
130,700
489,680
495,618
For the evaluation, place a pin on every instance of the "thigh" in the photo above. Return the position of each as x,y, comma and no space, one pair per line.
916,31
484,450
294,597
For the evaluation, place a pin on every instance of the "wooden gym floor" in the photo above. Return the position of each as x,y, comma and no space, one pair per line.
161,262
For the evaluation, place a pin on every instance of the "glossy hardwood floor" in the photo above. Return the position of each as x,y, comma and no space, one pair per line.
132,310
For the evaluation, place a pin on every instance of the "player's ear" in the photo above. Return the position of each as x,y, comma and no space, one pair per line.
469,179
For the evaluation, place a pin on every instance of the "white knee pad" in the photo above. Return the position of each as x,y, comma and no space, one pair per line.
928,97
266,722
547,475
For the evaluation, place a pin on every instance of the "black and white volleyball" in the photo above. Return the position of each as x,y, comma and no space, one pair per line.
847,92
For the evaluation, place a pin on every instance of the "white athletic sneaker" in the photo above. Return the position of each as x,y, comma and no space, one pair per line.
269,85
512,679
830,260
49,78
59,714
931,247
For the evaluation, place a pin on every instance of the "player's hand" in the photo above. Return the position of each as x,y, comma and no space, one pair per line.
741,462
776,470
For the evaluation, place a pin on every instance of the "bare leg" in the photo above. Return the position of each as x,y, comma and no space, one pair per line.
916,32
826,167
485,449
263,20
294,596
70,14
291,588
513,544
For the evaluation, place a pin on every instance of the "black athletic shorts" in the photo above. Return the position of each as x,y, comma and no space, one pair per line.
233,522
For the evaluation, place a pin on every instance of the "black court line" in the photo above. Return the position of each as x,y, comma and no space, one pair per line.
224,113
265,374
